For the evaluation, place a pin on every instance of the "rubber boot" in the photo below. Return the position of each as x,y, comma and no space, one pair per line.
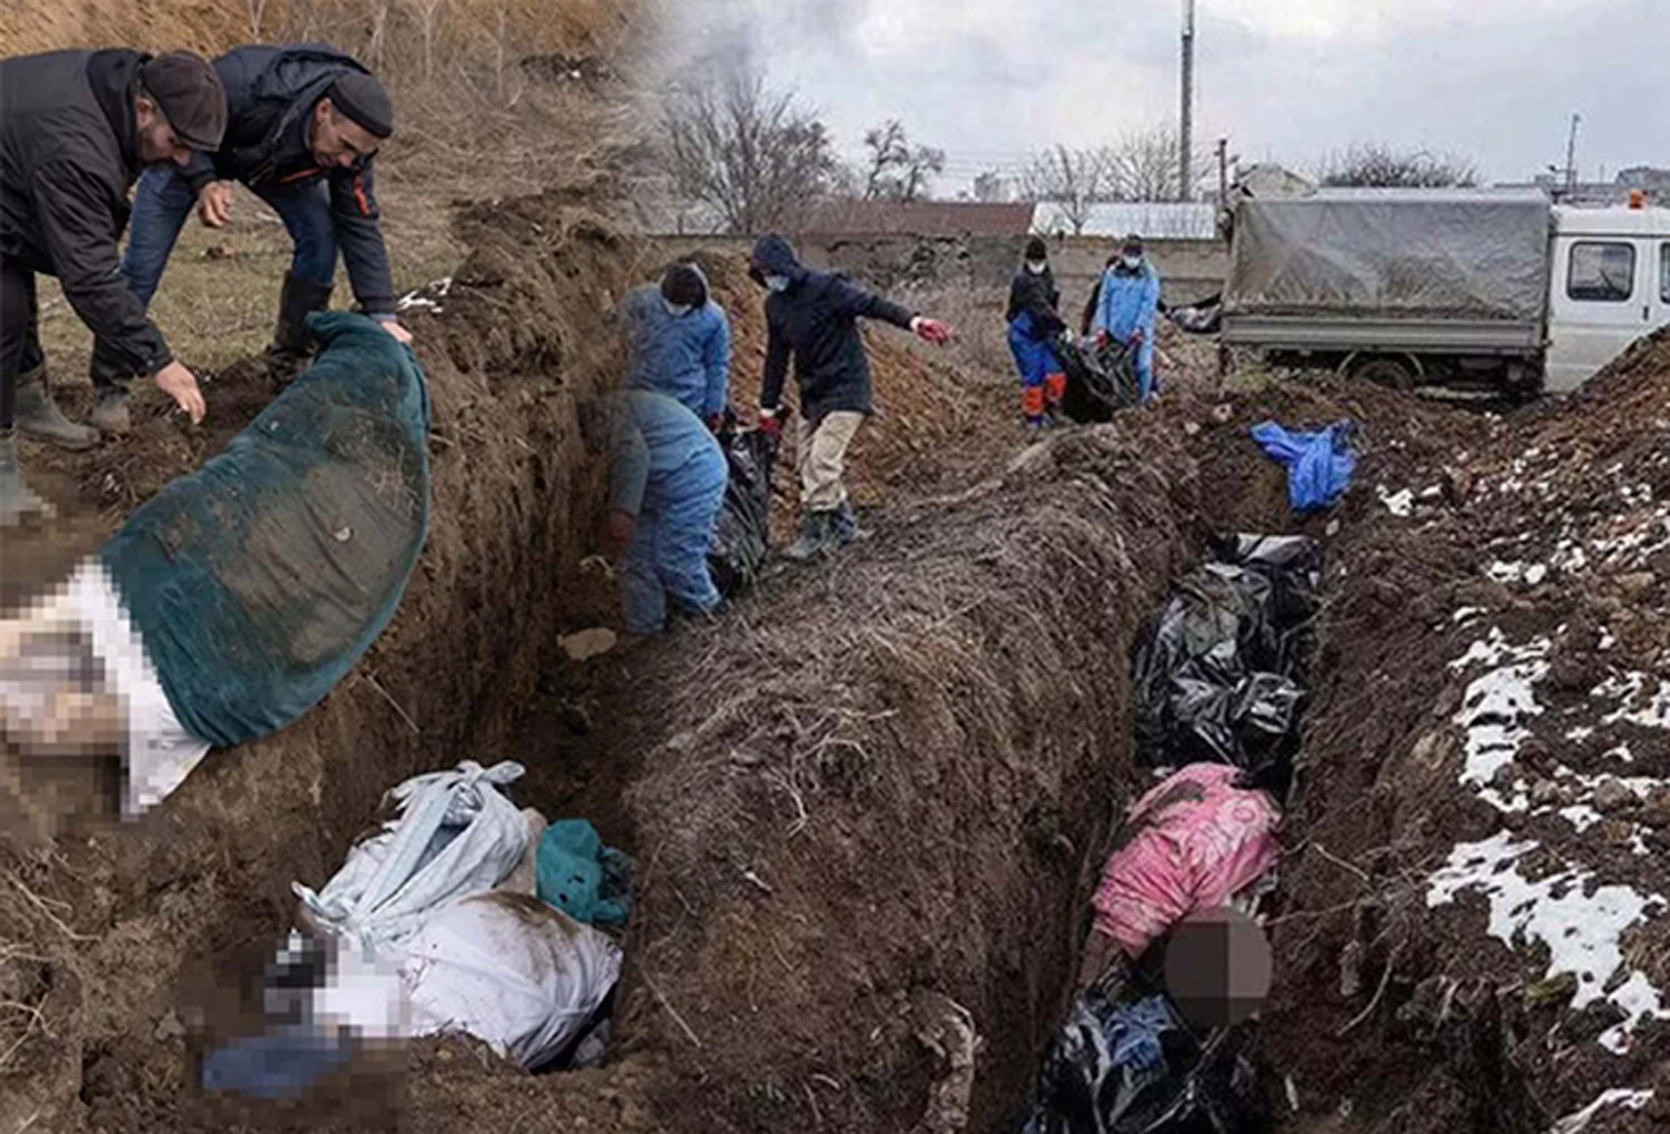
846,525
16,501
111,415
817,537
39,419
292,348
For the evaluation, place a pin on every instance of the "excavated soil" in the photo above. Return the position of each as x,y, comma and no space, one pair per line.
891,778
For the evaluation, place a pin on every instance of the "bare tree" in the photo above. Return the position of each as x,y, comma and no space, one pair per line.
991,186
1148,166
1073,180
1380,166
896,170
751,153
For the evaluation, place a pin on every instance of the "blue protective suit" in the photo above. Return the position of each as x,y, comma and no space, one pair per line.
1128,303
687,357
669,473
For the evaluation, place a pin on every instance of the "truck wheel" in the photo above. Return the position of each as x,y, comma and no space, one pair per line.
1393,373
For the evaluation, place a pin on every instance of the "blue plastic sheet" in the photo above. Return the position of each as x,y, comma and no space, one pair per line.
1319,464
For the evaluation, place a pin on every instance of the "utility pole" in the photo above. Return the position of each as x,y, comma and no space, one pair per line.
1186,119
1223,173
1571,157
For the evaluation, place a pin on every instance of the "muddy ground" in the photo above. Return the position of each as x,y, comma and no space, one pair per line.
894,776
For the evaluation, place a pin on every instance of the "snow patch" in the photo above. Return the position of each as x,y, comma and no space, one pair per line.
1580,923
1398,503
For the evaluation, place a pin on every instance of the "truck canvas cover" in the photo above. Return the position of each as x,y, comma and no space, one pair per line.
1392,255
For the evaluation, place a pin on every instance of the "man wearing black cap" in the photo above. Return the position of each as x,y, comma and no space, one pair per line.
304,124
75,129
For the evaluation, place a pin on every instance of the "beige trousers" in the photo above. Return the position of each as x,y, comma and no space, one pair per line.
823,458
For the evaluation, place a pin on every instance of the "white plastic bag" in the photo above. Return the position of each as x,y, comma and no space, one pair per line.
510,970
456,836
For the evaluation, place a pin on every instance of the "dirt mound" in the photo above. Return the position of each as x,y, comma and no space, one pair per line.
1478,929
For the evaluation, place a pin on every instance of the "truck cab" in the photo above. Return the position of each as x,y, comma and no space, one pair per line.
1609,285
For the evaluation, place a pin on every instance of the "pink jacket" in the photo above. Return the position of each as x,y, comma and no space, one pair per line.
1189,844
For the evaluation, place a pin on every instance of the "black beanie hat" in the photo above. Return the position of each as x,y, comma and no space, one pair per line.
1036,249
189,93
362,98
683,284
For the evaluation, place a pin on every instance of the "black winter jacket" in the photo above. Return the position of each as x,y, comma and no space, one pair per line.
1037,295
816,322
270,95
69,154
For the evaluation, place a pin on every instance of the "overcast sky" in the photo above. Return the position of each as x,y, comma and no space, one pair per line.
1289,80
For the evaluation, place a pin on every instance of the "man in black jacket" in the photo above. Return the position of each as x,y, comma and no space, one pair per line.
304,125
813,318
75,129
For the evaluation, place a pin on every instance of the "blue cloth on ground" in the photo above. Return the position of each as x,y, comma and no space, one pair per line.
257,582
586,880
1319,464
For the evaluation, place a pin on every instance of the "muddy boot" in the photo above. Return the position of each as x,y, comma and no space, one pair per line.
39,419
846,525
292,349
111,415
817,536
16,501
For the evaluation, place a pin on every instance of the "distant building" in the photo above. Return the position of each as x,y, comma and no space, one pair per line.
1641,178
934,219
1152,220
1267,179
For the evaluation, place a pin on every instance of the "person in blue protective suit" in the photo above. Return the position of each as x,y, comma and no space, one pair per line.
1034,325
666,490
680,343
1125,312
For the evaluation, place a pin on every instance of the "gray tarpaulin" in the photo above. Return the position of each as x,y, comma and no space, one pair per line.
1399,254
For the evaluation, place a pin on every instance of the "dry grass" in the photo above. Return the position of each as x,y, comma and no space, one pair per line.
219,298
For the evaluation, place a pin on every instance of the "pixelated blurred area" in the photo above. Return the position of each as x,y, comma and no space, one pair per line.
1218,968
268,1042
61,729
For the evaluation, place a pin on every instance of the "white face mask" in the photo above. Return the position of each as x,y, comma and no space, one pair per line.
1036,267
675,309
777,283
1133,261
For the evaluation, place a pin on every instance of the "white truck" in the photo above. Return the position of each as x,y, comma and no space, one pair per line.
1456,291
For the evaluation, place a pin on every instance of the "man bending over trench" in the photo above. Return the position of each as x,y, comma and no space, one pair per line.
666,490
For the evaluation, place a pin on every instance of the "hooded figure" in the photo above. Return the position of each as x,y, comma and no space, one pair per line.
1125,310
812,317
667,486
680,343
1034,325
